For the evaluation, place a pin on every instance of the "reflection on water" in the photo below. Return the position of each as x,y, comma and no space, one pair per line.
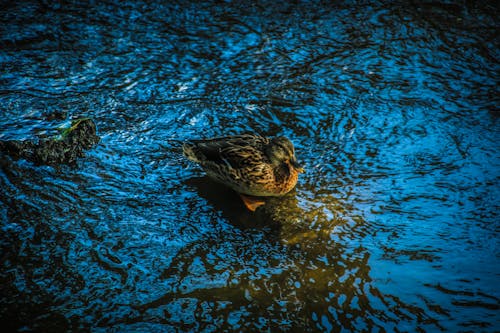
392,108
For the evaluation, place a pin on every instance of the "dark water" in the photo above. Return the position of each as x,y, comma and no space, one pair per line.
394,113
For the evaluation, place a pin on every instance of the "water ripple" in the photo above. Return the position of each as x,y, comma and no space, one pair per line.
393,112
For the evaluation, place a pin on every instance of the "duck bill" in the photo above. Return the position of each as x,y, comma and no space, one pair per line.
296,165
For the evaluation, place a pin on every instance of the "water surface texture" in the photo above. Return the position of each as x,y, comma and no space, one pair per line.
393,109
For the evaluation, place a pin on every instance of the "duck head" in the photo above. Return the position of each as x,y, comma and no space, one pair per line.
280,150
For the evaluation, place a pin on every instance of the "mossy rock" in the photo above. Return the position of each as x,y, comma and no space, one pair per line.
81,135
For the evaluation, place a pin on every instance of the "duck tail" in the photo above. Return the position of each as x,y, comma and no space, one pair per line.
191,152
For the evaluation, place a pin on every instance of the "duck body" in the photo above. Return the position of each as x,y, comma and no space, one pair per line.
249,164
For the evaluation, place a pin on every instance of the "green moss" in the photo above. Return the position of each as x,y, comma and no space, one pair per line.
65,131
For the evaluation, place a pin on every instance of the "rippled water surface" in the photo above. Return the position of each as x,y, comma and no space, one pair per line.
393,110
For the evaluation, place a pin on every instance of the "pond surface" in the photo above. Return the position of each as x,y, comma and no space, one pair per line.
393,110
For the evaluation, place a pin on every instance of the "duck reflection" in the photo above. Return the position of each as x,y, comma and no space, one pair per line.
287,220
228,202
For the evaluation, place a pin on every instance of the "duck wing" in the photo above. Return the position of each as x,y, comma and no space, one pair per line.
235,152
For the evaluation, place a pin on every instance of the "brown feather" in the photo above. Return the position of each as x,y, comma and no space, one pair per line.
242,163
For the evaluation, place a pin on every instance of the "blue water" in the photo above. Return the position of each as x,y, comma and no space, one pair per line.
393,110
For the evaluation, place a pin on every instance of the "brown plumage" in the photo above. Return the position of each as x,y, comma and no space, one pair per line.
249,164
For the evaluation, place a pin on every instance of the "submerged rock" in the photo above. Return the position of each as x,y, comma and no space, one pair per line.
62,149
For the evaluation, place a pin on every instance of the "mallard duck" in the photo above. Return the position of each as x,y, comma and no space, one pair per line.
252,165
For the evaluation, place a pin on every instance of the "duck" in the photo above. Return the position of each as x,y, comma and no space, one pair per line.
252,165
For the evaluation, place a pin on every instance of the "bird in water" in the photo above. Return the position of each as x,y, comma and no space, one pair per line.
252,165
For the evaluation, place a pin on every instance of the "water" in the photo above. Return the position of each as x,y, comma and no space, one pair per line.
393,110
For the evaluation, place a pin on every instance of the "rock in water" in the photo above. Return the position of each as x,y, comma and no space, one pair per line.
63,149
